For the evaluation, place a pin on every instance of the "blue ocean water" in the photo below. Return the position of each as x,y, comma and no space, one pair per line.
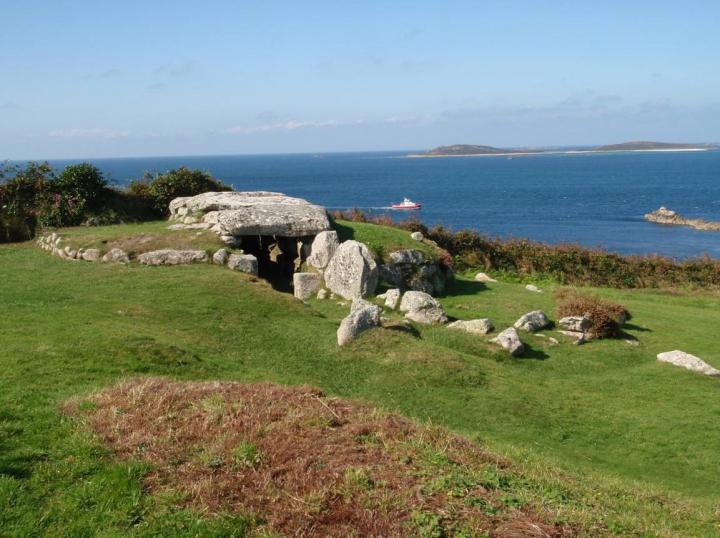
591,199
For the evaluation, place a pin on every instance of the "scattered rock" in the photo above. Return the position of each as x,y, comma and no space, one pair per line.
91,255
323,248
473,326
579,336
631,342
352,271
305,285
322,294
116,255
392,298
533,288
406,256
363,316
245,263
231,241
172,257
417,236
484,277
553,341
221,257
689,362
411,269
422,308
533,321
510,340
575,323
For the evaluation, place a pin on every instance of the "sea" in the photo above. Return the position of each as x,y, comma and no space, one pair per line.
592,199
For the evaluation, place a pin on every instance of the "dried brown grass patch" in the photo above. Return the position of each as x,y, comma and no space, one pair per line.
304,463
605,316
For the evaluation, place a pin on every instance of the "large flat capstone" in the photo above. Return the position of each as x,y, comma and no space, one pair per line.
251,213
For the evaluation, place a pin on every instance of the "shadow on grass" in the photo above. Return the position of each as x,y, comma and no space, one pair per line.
633,327
464,287
345,233
403,328
16,459
533,353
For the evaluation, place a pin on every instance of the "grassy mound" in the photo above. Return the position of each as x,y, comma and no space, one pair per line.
138,238
307,464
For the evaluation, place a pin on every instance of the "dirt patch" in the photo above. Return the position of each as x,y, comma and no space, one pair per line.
308,465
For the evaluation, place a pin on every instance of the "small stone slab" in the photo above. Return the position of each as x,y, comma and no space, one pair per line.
244,263
172,257
689,362
305,285
473,326
484,277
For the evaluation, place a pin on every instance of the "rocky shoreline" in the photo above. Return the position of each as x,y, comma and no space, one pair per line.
669,217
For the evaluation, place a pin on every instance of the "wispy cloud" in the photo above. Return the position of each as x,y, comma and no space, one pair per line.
175,69
157,86
290,125
91,133
294,125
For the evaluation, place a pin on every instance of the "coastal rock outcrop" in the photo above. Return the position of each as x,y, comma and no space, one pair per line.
352,271
422,308
363,316
510,340
533,321
670,217
172,257
689,362
473,326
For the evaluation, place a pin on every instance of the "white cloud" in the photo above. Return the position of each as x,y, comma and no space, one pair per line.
290,125
93,133
294,125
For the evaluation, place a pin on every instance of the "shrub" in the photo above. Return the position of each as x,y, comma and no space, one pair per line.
21,192
83,183
606,317
175,183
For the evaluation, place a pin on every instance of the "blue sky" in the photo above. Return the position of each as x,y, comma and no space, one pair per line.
136,78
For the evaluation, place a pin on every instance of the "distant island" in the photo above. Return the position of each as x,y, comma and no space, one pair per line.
645,145
470,150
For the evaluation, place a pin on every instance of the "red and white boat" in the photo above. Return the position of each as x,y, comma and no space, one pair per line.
407,203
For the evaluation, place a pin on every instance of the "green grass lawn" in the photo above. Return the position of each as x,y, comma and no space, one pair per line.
602,432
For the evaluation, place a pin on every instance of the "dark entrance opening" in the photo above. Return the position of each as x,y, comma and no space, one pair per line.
278,257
